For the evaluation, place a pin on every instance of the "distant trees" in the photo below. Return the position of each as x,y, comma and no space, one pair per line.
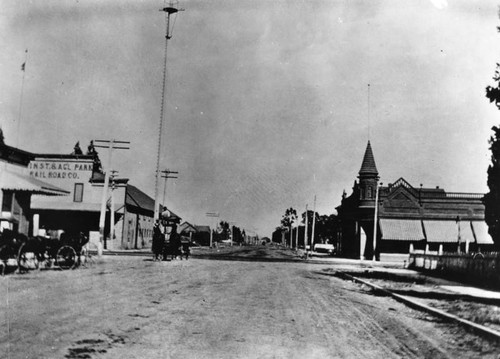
238,235
287,220
325,227
224,232
276,236
492,199
221,233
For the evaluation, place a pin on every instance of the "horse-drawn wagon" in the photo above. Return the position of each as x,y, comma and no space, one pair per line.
65,252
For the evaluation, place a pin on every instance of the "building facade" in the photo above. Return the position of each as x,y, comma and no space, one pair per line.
80,210
378,219
46,194
17,188
198,234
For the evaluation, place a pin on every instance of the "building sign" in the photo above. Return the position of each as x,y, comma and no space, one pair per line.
60,170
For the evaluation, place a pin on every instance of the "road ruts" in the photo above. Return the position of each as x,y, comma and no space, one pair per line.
131,307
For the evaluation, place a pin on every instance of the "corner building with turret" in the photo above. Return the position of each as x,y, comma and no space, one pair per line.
378,219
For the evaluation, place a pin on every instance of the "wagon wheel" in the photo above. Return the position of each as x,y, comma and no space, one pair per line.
26,258
66,257
478,255
6,258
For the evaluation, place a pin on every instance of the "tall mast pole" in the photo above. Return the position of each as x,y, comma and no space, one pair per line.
169,10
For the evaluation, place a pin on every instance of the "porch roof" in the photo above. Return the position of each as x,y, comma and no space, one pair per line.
401,229
19,182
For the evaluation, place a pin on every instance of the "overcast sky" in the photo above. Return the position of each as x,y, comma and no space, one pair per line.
267,100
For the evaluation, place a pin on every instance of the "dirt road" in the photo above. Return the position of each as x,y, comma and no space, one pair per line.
131,307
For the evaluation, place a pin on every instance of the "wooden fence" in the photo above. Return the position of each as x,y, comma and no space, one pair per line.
481,269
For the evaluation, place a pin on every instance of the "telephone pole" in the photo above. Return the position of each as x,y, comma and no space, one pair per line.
110,145
212,215
375,219
167,174
112,209
314,224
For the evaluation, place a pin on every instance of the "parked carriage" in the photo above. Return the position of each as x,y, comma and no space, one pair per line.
65,252
10,242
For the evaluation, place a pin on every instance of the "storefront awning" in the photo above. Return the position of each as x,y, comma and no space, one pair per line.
441,231
38,203
401,229
481,232
19,182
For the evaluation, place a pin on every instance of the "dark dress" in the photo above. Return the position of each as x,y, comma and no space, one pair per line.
157,241
185,249
175,243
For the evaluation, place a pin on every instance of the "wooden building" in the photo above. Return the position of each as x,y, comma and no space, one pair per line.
46,194
198,234
17,188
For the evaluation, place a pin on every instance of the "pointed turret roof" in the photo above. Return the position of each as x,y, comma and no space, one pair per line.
368,166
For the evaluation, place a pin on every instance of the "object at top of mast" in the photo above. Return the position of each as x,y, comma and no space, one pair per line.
171,8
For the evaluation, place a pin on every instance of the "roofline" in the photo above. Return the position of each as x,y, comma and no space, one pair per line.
64,156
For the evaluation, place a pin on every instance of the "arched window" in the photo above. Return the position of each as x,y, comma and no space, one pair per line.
369,192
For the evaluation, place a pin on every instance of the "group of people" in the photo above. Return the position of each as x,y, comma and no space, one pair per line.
173,246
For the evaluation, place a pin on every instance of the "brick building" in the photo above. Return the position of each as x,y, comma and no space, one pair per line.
407,215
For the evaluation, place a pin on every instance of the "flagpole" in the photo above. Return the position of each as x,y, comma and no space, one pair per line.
23,69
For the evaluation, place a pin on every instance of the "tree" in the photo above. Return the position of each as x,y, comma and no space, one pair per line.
276,236
2,139
491,199
326,228
222,232
287,220
310,215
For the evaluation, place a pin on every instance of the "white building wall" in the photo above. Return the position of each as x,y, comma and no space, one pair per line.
65,173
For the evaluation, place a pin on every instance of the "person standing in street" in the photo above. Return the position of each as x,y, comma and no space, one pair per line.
175,242
185,249
157,247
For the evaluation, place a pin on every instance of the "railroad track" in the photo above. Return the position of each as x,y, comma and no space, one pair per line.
467,324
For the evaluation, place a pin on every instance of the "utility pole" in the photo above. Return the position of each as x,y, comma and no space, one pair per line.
306,240
297,233
375,223
166,174
314,223
112,210
110,145
232,232
169,12
212,215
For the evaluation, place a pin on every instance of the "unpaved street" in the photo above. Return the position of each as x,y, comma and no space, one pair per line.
131,307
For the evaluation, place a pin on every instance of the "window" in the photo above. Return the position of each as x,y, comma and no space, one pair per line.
370,192
78,194
7,201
